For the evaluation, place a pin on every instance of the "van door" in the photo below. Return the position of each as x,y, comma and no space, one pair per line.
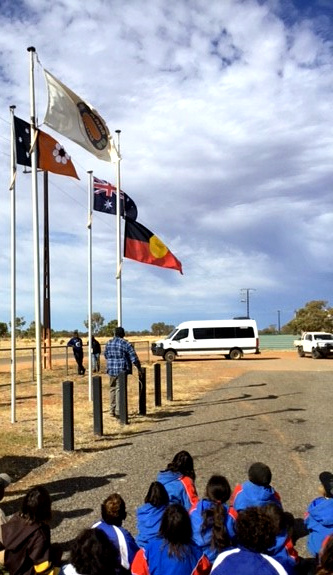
204,340
181,341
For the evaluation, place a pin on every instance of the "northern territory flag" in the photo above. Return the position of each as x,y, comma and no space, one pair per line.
142,245
52,157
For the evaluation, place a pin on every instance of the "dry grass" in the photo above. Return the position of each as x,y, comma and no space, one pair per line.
18,448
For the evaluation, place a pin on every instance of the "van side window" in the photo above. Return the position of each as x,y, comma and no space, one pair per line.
181,334
246,331
225,333
203,333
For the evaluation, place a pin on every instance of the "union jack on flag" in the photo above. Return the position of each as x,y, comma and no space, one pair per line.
105,200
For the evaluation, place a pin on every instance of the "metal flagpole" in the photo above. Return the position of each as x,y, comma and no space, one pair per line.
47,280
90,189
118,275
32,51
13,266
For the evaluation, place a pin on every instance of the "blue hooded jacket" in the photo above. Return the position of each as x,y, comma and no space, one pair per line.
239,561
156,560
284,552
180,488
122,541
148,519
203,538
251,495
319,521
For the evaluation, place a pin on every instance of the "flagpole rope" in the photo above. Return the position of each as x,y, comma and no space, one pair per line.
13,181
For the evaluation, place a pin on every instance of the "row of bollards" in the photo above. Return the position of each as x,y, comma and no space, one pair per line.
68,401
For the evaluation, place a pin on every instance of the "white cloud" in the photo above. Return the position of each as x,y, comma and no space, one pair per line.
226,142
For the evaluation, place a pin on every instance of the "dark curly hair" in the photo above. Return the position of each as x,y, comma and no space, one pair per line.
255,529
157,495
113,510
92,553
278,517
218,491
326,559
176,530
183,462
36,505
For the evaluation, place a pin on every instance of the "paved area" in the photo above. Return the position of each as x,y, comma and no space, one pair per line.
280,418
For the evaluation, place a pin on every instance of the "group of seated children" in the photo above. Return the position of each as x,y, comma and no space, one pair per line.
224,533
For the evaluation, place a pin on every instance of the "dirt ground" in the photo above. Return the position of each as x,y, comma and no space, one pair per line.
19,454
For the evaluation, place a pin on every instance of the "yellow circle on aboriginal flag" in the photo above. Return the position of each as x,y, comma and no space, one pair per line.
157,248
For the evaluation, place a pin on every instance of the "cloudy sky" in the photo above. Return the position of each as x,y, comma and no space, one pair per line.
225,112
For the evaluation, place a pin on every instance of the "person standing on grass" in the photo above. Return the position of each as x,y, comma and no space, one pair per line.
95,354
76,344
119,355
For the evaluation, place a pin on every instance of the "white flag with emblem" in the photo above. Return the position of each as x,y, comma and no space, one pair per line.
77,120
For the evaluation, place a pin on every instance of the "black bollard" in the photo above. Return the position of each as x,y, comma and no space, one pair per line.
97,405
157,384
68,415
169,386
142,392
123,410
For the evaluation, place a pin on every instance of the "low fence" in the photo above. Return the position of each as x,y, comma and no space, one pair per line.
282,342
61,355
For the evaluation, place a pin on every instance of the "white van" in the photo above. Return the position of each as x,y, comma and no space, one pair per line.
229,337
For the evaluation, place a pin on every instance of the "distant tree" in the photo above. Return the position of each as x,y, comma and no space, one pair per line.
31,331
97,321
161,328
270,330
314,316
19,325
108,329
3,329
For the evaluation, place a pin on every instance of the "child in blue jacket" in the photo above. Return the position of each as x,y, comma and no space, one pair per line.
113,513
178,479
210,520
283,549
173,552
319,515
150,514
255,492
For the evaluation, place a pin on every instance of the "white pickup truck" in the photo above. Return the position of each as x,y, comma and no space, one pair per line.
316,343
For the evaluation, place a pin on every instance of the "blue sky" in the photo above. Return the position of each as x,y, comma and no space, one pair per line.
225,116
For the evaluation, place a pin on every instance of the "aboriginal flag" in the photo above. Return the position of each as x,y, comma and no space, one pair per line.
142,245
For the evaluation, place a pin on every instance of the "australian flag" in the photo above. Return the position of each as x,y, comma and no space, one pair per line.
105,200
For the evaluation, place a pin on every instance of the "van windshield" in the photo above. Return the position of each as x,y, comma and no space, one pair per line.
181,334
172,333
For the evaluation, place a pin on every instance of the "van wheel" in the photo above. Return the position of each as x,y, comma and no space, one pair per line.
236,353
169,355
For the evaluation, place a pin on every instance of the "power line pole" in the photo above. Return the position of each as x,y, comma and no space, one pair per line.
247,291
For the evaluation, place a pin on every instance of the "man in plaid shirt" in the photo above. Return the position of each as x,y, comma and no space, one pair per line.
119,355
